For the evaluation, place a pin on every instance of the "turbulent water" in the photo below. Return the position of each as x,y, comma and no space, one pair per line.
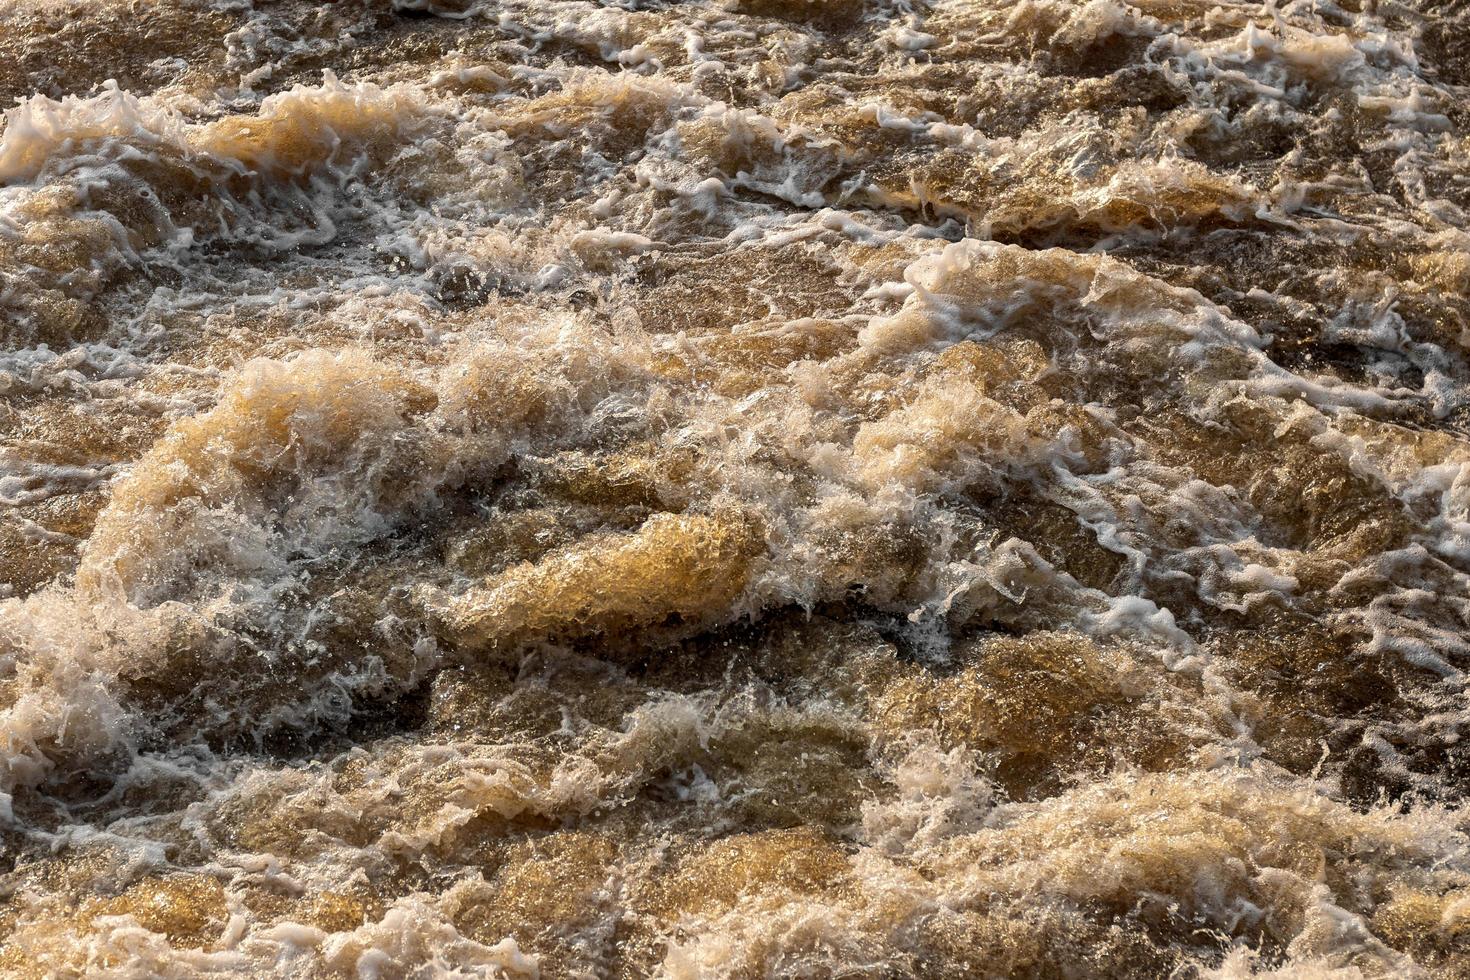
755,488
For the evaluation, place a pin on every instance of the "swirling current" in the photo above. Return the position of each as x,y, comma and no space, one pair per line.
734,488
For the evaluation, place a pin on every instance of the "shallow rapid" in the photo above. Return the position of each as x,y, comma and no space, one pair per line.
753,488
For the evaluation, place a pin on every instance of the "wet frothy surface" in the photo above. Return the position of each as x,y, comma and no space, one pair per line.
764,488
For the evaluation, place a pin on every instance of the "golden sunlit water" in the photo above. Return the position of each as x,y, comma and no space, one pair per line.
752,488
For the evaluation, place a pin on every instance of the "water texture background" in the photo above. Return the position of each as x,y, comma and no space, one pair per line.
827,488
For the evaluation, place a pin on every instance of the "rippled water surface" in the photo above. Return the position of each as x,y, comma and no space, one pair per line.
756,488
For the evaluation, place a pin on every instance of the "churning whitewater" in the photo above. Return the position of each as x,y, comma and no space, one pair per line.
734,488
